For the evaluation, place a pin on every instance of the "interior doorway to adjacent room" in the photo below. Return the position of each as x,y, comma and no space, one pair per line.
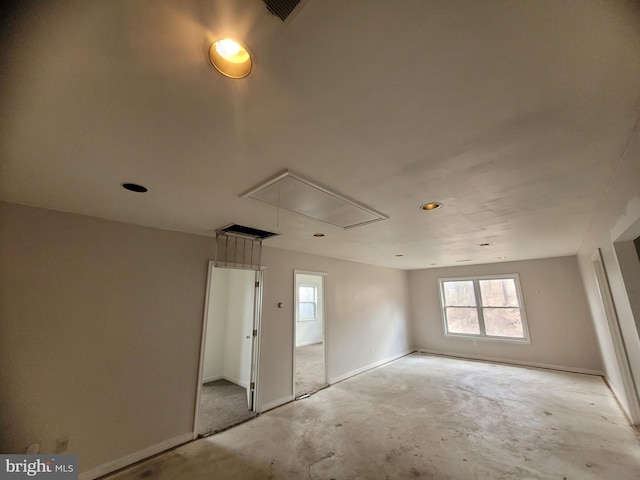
228,373
310,366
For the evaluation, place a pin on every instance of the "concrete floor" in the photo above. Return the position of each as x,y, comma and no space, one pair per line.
424,417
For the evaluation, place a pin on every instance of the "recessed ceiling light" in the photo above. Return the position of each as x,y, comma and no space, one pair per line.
230,58
484,244
318,234
399,255
134,187
431,206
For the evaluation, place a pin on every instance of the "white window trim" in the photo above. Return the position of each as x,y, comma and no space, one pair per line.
315,303
526,339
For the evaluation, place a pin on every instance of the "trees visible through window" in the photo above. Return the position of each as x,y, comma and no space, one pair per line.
484,306
307,302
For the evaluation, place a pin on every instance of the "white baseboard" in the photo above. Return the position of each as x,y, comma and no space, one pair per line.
306,344
342,377
507,361
212,379
135,457
236,381
276,403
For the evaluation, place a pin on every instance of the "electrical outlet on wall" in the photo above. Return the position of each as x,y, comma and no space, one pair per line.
33,449
62,444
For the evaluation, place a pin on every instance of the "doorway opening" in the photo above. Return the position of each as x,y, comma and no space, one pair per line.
228,372
617,338
309,325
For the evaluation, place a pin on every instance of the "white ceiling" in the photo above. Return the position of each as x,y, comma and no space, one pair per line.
513,114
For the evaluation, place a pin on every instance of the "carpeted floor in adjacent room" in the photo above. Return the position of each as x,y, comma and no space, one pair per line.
223,404
309,369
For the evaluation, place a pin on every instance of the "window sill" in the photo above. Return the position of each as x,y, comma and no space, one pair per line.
462,336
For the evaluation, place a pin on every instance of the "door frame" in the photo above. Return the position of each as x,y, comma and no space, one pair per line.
254,374
325,325
615,333
255,348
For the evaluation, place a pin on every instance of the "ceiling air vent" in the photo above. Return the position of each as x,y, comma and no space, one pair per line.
281,8
298,195
247,231
240,247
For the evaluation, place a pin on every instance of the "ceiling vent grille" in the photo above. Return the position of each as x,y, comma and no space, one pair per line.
240,247
281,8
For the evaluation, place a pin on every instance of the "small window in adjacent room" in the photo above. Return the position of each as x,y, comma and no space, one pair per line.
307,302
487,307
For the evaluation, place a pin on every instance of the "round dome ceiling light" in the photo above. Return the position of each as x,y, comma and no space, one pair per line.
134,187
431,206
230,58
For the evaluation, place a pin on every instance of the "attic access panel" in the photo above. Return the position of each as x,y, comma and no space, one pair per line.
299,195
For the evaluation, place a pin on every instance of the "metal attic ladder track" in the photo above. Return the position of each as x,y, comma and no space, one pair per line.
281,8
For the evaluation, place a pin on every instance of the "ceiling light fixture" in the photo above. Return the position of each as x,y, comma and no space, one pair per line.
484,244
501,258
319,235
230,58
134,187
431,206
399,255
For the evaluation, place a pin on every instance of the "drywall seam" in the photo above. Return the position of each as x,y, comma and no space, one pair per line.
357,371
135,457
523,363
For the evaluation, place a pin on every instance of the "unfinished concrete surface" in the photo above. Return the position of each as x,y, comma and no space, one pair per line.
424,416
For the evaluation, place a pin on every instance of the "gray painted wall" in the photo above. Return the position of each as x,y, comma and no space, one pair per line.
562,334
100,335
617,222
102,322
366,317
